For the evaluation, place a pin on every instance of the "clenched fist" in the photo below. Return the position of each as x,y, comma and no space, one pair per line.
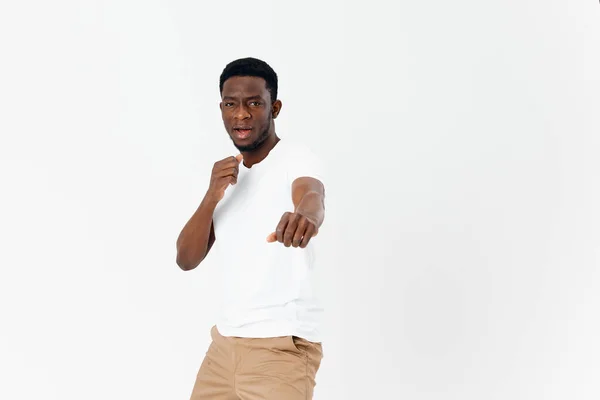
294,230
224,173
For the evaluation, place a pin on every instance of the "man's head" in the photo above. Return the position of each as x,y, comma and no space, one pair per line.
249,102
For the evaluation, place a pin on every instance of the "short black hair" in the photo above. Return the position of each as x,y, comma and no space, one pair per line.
251,67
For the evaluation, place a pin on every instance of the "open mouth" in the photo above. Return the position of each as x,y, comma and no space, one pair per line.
242,132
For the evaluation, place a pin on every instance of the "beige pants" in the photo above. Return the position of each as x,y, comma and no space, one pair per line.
279,368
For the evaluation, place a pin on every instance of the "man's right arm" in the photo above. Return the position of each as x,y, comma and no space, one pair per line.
198,235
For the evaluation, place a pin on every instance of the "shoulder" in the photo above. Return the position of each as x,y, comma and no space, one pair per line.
299,160
297,150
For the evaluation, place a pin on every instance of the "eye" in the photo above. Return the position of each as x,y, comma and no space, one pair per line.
228,104
255,103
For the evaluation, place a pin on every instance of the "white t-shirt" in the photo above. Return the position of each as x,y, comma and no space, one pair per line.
266,287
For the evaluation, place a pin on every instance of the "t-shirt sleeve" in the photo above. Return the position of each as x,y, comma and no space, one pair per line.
305,163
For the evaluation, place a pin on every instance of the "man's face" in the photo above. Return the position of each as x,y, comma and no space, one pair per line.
247,111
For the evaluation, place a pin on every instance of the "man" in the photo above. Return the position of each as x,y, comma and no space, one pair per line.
261,211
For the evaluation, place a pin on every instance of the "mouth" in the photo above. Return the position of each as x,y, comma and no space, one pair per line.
242,132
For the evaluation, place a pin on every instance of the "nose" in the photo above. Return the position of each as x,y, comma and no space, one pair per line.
241,112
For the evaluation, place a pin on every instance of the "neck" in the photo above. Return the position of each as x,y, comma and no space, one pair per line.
259,154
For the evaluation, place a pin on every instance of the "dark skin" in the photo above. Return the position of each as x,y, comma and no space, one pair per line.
246,103
248,115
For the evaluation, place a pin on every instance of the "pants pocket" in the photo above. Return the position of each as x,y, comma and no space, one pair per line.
306,347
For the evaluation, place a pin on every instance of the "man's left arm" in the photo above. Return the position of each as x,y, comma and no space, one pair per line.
298,227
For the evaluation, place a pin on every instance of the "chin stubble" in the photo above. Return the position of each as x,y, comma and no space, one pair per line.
256,144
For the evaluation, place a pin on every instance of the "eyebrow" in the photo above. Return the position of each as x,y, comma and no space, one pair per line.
246,98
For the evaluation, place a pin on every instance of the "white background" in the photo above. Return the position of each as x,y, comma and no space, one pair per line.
461,249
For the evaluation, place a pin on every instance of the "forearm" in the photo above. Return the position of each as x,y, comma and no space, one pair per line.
194,241
312,206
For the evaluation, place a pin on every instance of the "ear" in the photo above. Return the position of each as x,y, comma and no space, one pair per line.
221,106
276,108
